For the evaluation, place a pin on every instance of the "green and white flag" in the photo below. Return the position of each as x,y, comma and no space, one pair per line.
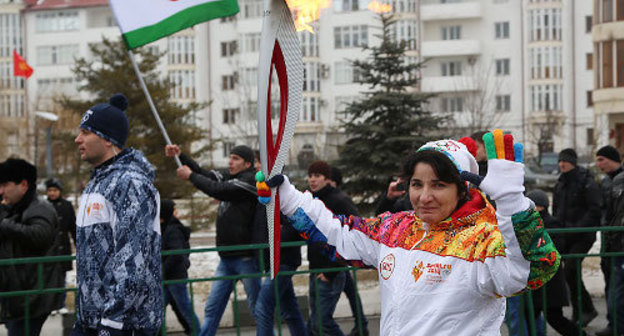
145,21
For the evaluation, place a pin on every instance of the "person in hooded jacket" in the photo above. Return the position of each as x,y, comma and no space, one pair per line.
66,233
27,229
236,190
576,203
176,236
117,232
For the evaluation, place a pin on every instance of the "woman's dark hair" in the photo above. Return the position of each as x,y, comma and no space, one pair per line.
442,166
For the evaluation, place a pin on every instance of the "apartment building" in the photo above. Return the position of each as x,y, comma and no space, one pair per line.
608,63
14,130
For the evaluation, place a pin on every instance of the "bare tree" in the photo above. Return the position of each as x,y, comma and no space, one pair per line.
544,126
479,87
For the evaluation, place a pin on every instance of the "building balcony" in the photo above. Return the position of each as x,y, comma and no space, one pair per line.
608,100
448,84
452,11
450,48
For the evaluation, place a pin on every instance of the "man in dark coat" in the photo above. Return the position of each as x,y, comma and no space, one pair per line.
236,191
576,203
608,160
67,226
327,286
27,229
556,289
176,236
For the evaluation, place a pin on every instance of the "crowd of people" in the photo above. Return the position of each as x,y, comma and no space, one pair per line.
455,241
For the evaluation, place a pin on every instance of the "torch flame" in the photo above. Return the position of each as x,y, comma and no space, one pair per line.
378,7
306,11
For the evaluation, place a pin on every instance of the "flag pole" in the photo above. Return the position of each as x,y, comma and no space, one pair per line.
151,104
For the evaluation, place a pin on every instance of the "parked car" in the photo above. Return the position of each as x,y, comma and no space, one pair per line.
534,179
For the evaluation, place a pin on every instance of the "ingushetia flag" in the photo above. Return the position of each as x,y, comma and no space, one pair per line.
145,21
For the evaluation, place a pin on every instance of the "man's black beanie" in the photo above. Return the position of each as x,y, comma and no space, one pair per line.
17,170
610,153
568,155
108,120
245,152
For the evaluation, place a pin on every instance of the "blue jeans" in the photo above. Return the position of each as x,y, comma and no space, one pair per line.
616,293
289,309
515,325
18,327
328,294
177,295
221,290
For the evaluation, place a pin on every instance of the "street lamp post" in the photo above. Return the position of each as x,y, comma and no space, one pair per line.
51,117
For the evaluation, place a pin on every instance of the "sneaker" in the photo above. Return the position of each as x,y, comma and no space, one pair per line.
63,311
54,312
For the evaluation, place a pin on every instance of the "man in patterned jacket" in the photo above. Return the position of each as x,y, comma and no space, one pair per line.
118,231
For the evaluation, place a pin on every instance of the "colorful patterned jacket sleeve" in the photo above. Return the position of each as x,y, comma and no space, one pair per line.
530,258
350,238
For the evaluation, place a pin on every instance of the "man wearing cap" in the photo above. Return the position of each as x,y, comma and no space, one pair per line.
118,231
27,229
67,227
236,191
609,162
576,203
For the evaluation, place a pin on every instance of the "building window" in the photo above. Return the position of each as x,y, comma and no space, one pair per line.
620,61
502,67
250,77
10,35
590,136
229,115
503,103
228,82
227,148
312,76
182,84
502,30
309,43
588,23
589,61
227,19
350,36
546,62
310,109
404,31
347,5
545,24
7,80
251,42
590,98
51,87
607,10
343,73
451,68
62,54
451,32
452,104
57,21
546,97
229,48
181,50
251,8
607,64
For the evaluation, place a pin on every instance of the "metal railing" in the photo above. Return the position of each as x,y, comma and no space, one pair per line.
526,298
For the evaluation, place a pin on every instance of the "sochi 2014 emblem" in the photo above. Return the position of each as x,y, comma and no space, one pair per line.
386,267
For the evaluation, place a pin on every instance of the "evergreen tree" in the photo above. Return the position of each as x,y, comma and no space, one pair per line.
109,72
388,122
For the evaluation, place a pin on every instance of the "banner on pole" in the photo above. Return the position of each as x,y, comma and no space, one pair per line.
145,21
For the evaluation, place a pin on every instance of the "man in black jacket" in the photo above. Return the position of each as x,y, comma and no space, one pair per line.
608,160
236,191
66,230
27,229
325,287
176,236
576,203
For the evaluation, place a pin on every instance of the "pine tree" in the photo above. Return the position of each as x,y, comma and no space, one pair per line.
388,122
109,72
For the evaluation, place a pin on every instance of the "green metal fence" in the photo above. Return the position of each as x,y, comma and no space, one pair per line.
526,299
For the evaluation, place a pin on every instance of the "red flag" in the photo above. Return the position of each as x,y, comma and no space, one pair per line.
20,67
